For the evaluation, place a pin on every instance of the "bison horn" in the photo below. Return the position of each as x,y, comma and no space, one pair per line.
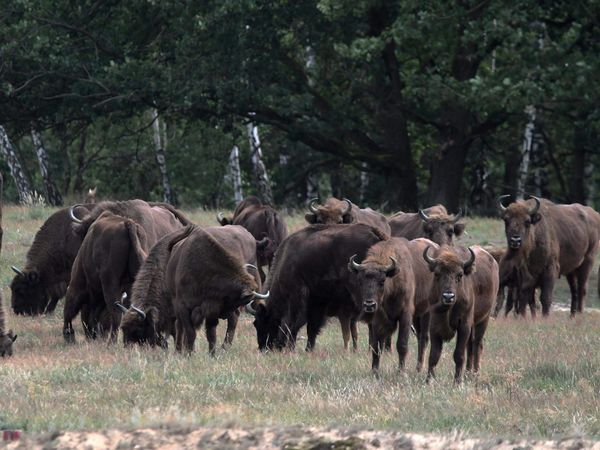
121,307
72,214
250,265
353,265
502,197
220,217
250,309
311,205
349,208
537,205
457,216
392,267
423,216
261,296
17,271
471,260
431,261
141,313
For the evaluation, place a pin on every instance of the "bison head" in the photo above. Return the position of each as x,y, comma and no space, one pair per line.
441,228
448,270
518,220
29,295
6,343
139,327
334,211
371,278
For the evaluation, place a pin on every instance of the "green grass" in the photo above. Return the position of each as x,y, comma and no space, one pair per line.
538,379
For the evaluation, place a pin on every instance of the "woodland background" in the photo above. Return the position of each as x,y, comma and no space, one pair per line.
393,104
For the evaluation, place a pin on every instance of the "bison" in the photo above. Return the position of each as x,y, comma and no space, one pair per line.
7,337
38,287
545,241
336,211
309,281
392,289
264,223
433,223
192,276
461,302
110,256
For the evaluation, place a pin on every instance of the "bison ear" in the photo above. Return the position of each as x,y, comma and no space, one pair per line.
310,218
535,218
347,218
459,228
263,243
33,276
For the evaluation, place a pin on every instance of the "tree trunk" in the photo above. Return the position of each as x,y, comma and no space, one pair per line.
160,145
512,161
364,183
236,174
260,172
78,183
51,191
578,169
16,170
526,152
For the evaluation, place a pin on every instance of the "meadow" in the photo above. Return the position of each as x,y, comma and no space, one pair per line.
539,378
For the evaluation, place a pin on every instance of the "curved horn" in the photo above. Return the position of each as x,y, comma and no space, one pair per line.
537,205
311,205
261,296
250,265
423,216
392,266
17,271
72,214
471,260
353,265
141,313
349,208
502,197
431,261
121,307
220,217
457,216
250,309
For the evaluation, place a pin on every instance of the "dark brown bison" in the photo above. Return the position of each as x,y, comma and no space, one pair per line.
189,277
110,256
309,281
264,223
545,241
335,211
38,287
461,302
392,291
433,223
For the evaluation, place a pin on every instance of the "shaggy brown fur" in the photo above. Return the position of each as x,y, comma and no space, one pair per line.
335,211
440,227
6,336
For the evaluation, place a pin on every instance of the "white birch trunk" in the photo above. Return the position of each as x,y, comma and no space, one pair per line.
526,152
51,191
16,170
236,173
364,183
260,172
160,146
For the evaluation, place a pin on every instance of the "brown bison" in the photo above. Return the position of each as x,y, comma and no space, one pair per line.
110,256
192,276
392,290
545,241
7,337
264,223
336,211
309,281
433,223
38,287
461,302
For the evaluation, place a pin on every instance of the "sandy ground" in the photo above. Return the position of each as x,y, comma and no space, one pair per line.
295,438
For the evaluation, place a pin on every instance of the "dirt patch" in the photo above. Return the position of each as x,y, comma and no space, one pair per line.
294,438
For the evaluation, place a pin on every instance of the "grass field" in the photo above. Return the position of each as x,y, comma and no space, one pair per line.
539,379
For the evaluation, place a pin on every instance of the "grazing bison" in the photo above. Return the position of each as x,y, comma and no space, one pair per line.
461,302
264,223
192,276
110,256
38,287
393,284
309,281
336,211
545,241
433,223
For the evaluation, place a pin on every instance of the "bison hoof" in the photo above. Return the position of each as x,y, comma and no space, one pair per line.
69,336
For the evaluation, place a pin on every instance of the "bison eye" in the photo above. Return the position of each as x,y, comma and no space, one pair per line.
527,223
450,232
459,276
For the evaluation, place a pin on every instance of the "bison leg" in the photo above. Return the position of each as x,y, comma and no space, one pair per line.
345,325
232,321
186,331
422,327
51,306
314,323
463,335
434,355
523,299
378,341
499,302
511,296
583,273
477,345
572,280
548,279
72,307
211,334
354,333
405,323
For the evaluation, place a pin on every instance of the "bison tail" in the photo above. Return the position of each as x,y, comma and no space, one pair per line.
139,246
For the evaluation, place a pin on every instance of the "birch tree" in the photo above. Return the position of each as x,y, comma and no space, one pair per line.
236,174
160,146
16,170
261,177
51,191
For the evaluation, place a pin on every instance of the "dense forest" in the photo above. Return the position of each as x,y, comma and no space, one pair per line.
393,104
